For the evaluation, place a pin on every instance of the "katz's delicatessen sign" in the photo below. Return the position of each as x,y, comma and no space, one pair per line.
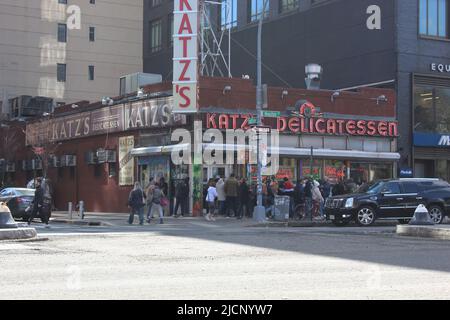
185,55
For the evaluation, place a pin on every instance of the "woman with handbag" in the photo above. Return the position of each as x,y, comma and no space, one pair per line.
136,201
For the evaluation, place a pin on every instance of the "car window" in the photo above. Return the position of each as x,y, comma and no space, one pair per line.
391,187
6,193
25,192
410,187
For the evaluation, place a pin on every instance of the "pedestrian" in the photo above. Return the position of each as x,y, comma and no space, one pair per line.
136,201
157,202
211,200
164,186
231,189
38,204
308,197
149,196
182,197
339,188
221,196
325,189
244,199
317,199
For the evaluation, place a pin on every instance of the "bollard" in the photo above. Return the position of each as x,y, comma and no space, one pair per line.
82,210
421,217
70,210
6,219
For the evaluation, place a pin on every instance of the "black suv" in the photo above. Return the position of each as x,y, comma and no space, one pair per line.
390,200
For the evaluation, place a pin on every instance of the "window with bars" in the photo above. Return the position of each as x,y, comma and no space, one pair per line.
155,36
433,18
170,35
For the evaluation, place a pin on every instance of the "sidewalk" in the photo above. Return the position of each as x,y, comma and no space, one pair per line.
116,219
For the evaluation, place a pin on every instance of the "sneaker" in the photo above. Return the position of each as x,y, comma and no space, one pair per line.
208,217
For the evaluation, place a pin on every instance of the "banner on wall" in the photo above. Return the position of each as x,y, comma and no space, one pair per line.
126,164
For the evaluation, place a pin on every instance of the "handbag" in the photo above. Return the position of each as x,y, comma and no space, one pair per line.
164,201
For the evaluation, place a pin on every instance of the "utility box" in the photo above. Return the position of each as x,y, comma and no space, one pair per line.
132,82
281,208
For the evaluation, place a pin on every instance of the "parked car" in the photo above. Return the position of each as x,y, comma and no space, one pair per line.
390,200
18,200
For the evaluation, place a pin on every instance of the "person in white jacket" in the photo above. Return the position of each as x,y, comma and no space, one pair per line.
317,199
221,196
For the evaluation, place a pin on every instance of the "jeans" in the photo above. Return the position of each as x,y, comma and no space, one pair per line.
138,211
243,205
222,207
159,209
149,210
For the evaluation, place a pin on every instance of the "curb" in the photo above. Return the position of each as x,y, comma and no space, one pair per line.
20,233
82,223
424,232
272,224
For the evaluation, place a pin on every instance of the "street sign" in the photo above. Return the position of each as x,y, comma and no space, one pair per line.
261,129
271,114
252,121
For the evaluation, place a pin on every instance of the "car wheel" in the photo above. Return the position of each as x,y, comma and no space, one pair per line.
403,221
341,223
365,216
436,214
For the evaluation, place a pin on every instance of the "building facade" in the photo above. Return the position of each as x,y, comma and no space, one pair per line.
68,50
397,44
96,154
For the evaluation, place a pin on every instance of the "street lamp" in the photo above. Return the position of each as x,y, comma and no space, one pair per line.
259,213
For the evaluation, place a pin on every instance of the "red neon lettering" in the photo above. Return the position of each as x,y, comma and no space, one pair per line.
361,125
382,128
185,25
185,97
294,124
319,127
340,126
281,124
223,121
393,129
371,128
185,3
234,118
350,127
245,125
186,63
211,121
331,126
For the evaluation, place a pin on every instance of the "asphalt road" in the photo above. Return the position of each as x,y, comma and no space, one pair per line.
194,259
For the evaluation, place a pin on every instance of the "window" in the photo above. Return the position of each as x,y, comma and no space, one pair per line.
112,169
288,5
61,72
433,18
62,32
155,36
92,1
410,187
62,1
91,73
256,9
92,34
229,14
156,3
170,35
431,109
392,188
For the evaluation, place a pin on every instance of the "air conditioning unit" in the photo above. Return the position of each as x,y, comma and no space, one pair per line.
101,156
36,164
27,165
68,161
54,162
90,157
10,167
132,82
111,156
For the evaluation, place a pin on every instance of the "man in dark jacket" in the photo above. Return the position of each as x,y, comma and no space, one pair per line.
244,199
182,197
38,204
136,201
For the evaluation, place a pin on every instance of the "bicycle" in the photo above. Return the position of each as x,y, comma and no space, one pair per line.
299,211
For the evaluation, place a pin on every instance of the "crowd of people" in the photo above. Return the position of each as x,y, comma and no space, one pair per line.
234,197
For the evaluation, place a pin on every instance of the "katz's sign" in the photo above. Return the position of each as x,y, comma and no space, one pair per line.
308,121
185,55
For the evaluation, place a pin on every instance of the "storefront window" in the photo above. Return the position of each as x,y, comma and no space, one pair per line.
335,170
432,109
359,173
362,173
316,172
380,171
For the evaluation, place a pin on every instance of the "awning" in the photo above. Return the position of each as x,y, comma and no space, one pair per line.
282,151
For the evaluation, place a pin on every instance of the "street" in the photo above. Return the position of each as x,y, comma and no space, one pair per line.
227,259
